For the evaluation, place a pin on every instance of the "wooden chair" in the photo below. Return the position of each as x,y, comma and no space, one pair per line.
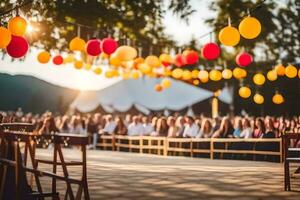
288,158
68,140
12,164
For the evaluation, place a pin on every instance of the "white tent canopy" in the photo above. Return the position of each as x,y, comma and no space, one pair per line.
140,93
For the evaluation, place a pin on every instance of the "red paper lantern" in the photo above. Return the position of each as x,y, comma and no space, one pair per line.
109,45
179,60
17,47
210,51
243,59
191,57
58,60
93,47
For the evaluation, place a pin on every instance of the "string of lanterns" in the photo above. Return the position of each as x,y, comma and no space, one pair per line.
124,60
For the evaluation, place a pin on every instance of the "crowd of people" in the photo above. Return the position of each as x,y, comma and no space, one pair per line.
176,125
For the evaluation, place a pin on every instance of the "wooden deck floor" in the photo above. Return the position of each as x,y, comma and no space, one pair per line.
118,175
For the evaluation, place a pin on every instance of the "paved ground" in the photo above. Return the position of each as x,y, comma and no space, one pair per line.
118,175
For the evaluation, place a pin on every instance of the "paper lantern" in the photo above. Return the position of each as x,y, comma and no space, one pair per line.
58,60
17,26
210,51
152,61
126,53
196,82
104,55
177,73
97,70
190,57
5,37
87,66
280,69
299,73
258,98
203,75
244,92
259,79
165,59
77,44
144,68
239,73
272,75
243,59
92,47
78,64
167,72
215,75
166,83
114,61
250,27
137,62
158,88
229,36
109,46
17,47
195,73
186,75
227,74
278,98
69,59
179,60
291,71
135,74
43,57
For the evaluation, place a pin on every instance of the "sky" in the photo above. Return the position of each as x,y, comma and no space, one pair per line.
69,77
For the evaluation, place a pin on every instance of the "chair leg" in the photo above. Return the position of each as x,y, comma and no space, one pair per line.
287,186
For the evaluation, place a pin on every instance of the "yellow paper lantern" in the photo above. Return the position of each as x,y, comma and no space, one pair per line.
144,68
109,74
250,27
186,75
135,74
244,92
229,36
97,70
203,74
204,80
153,61
272,75
299,73
137,62
126,75
239,73
44,57
227,74
215,75
195,73
5,37
259,79
196,82
291,71
126,53
114,61
88,66
165,59
78,64
278,98
158,88
258,98
69,59
280,70
17,26
167,72
115,73
77,44
177,73
104,55
166,83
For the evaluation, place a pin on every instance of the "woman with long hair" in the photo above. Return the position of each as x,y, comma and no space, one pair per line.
225,130
206,129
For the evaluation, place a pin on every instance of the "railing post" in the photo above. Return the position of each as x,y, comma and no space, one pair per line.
211,148
191,148
141,144
166,146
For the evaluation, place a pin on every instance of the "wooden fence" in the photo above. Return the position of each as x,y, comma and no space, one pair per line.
209,147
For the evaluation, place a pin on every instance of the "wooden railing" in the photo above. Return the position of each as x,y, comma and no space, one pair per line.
193,146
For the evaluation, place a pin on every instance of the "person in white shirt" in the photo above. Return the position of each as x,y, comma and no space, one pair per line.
110,126
247,130
147,125
191,129
135,128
